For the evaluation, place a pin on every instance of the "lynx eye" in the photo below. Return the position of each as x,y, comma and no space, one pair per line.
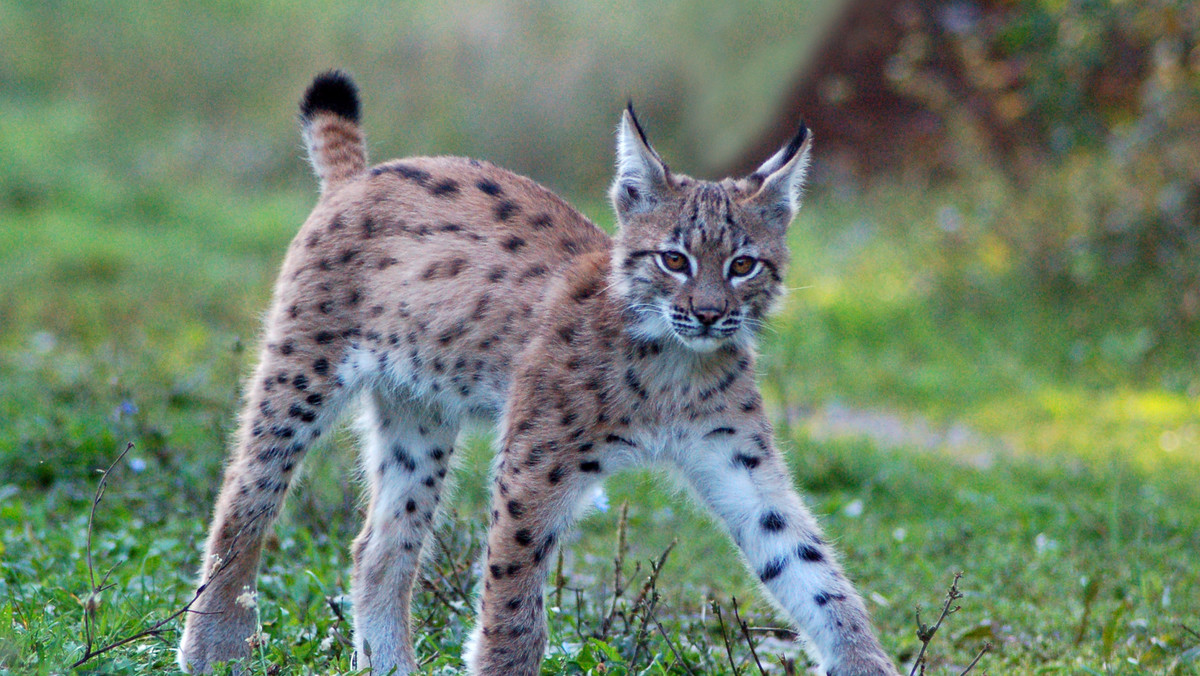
674,261
741,266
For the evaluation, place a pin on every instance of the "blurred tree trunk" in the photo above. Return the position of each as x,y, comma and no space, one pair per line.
917,88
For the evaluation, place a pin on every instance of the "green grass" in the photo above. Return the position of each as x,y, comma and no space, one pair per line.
128,314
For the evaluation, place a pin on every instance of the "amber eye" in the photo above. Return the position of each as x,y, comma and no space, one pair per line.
741,266
674,261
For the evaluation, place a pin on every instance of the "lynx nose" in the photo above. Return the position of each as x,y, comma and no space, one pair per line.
708,314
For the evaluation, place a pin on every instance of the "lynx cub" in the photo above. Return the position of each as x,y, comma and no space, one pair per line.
439,288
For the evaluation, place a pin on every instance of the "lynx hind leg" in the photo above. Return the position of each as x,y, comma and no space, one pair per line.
292,399
406,452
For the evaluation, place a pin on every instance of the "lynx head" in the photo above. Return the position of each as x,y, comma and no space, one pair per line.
698,261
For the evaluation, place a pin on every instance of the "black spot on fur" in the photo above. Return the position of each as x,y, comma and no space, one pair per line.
773,569
747,461
523,537
822,599
331,92
589,466
418,176
300,382
515,509
557,474
721,431
314,399
513,243
810,554
772,522
446,187
505,210
324,337
585,292
321,366
541,221
535,271
410,506
489,187
287,347
544,548
635,384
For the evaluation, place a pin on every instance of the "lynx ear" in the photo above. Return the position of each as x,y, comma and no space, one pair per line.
641,174
782,179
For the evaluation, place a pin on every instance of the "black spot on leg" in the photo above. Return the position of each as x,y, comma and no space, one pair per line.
523,537
773,569
823,599
513,603
496,571
810,554
544,548
772,522
400,454
515,509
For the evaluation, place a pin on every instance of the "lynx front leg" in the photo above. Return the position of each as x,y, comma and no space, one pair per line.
532,504
743,479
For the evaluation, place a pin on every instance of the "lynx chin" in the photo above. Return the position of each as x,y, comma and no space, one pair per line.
437,289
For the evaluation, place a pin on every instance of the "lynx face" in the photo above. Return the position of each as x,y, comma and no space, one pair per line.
697,261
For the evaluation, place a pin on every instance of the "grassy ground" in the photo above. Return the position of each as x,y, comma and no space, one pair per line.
1055,464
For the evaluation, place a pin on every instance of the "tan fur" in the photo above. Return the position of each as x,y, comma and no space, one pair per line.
446,288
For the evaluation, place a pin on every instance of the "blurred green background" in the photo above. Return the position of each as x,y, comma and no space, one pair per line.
987,360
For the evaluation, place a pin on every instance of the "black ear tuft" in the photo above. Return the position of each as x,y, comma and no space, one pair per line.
331,92
783,157
636,124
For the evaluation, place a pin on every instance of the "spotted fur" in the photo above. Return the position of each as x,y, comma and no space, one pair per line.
437,289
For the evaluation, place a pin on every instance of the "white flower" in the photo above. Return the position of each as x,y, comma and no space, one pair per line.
854,509
248,599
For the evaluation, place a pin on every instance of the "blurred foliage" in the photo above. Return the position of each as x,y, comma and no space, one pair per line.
167,90
1095,107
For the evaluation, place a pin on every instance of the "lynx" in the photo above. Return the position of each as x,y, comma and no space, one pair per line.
438,289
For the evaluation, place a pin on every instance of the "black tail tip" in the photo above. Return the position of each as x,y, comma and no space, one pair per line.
331,92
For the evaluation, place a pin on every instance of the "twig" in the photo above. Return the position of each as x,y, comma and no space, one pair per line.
618,564
671,645
725,636
986,647
925,633
559,580
155,629
93,599
1189,630
749,641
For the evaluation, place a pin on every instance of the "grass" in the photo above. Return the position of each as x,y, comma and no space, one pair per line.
127,314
